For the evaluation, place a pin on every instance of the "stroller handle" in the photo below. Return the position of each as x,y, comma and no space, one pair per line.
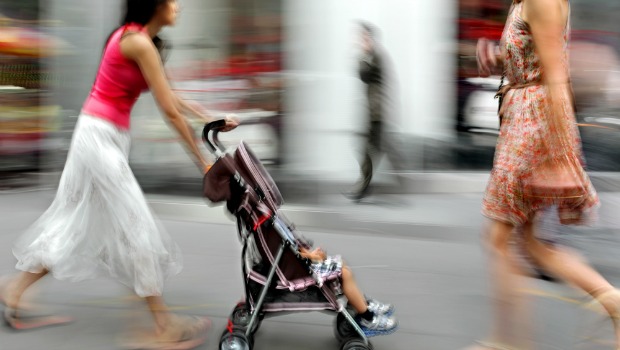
214,127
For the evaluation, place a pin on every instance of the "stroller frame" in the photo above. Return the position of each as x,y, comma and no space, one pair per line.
239,328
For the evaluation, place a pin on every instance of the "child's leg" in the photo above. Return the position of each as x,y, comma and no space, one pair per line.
372,323
352,292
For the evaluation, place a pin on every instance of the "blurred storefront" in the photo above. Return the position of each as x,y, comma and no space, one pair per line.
28,117
288,69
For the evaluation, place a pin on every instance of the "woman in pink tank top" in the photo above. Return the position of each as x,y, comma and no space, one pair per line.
99,223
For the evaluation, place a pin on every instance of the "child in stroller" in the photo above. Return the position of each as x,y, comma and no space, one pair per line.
282,273
374,318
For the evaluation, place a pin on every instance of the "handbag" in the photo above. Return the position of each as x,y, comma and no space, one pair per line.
563,182
557,178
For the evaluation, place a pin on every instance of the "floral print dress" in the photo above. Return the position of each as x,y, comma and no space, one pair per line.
521,144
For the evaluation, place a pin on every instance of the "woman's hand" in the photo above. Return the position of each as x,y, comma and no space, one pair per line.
232,121
487,54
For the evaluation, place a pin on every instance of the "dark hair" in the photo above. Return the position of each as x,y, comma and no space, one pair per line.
141,12
370,29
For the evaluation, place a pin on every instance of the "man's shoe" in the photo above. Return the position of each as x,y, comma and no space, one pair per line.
354,196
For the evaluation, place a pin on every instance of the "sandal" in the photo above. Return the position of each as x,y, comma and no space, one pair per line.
610,301
184,333
22,323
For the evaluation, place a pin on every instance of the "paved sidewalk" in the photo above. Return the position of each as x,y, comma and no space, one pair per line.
389,214
417,215
431,217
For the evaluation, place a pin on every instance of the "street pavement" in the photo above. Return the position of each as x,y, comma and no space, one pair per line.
420,252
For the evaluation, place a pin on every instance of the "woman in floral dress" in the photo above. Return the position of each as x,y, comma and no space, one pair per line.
538,124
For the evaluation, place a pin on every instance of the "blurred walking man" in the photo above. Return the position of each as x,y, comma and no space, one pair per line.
372,71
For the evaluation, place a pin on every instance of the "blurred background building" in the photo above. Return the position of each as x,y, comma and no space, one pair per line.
28,116
288,68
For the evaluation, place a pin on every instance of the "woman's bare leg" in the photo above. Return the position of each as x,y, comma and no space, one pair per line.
506,279
18,286
565,264
13,296
159,311
570,267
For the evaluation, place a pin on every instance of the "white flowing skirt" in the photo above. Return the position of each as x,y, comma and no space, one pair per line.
99,224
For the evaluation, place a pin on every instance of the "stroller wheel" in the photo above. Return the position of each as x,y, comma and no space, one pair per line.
241,317
355,344
235,340
343,329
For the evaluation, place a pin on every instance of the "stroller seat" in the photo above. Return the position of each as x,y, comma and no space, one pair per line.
293,284
298,284
305,297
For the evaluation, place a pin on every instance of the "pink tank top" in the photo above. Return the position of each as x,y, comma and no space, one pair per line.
118,84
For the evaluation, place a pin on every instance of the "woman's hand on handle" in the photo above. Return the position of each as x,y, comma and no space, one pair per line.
232,121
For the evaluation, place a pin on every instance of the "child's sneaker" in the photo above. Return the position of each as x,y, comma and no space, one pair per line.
379,308
380,325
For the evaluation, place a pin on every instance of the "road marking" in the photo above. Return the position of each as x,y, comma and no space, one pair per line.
369,266
550,295
589,304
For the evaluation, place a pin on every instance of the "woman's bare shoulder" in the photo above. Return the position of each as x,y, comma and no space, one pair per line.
134,44
537,9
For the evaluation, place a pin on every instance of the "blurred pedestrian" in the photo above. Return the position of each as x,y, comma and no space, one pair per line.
538,137
99,222
373,72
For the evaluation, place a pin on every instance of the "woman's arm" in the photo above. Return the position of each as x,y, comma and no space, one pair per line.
140,48
547,20
231,120
192,110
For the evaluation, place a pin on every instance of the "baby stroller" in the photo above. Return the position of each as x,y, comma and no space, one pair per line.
276,278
